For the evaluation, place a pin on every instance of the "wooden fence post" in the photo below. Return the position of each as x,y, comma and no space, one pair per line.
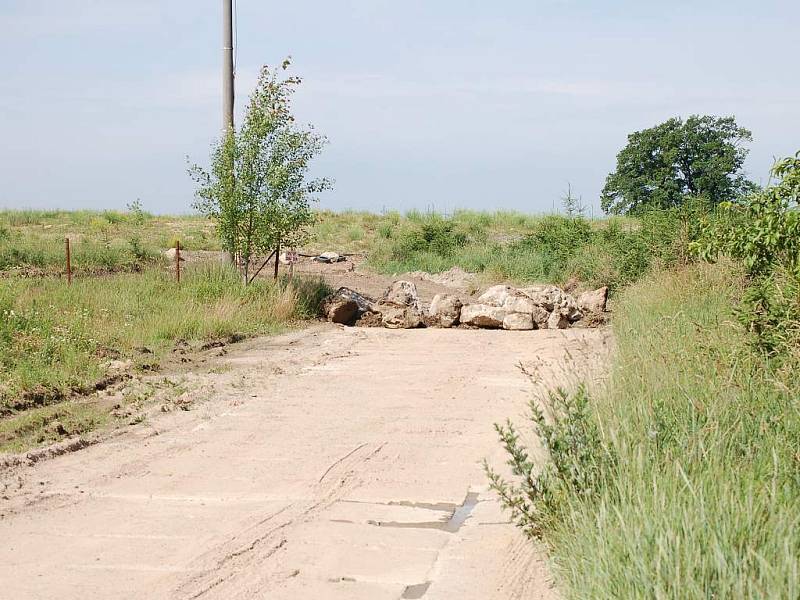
277,260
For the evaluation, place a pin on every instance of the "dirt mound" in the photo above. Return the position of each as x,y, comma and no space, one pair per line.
453,278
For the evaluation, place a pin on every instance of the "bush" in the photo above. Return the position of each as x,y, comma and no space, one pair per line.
762,231
554,249
579,462
681,480
435,235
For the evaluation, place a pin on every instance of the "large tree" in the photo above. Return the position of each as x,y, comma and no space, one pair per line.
665,165
257,189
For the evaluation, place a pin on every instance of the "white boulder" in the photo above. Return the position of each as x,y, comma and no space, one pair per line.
445,309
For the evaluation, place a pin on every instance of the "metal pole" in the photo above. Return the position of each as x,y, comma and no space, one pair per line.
228,94
227,65
69,262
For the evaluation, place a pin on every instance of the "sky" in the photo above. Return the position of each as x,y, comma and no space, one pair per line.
427,104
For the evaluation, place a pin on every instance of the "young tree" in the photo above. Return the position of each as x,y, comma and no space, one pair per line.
664,166
258,190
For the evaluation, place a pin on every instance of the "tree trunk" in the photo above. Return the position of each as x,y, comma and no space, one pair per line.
277,259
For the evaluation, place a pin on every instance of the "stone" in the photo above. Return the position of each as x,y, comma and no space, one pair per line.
554,299
546,296
170,254
540,317
557,321
594,301
483,315
402,293
518,322
400,317
445,309
345,306
519,303
329,257
496,295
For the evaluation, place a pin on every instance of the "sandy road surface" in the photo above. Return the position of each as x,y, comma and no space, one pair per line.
332,463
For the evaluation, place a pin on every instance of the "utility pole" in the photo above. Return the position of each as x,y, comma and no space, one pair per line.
227,83
227,65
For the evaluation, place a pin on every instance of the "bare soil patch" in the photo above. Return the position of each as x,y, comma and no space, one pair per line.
330,463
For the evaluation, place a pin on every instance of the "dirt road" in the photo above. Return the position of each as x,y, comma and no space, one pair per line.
331,463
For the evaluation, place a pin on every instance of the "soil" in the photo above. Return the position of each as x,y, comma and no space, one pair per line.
353,274
335,462
328,463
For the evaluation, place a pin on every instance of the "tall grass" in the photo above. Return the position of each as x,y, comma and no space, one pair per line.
521,248
702,498
55,338
33,241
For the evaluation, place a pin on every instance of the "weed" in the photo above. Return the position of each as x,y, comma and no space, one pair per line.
579,462
700,498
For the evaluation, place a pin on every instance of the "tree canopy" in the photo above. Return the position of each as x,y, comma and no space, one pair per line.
258,190
664,166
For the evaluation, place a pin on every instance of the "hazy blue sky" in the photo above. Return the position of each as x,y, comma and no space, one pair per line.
437,103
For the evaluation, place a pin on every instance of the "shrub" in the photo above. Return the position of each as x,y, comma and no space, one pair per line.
763,232
579,461
435,235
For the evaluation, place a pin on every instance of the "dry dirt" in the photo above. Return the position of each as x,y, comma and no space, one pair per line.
329,463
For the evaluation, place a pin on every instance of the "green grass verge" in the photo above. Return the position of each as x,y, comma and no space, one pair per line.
55,339
703,500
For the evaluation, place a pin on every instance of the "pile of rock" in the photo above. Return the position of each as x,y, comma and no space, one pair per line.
499,307
398,308
534,307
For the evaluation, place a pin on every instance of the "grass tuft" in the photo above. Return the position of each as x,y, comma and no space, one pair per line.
703,496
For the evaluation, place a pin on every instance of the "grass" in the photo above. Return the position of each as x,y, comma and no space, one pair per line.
500,245
696,468
523,248
32,242
55,339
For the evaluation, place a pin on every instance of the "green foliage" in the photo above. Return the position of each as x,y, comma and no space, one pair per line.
52,335
579,462
762,231
435,234
257,190
699,490
665,165
137,214
524,249
560,237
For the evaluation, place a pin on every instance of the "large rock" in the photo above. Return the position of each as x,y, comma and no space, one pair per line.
483,315
546,296
345,306
557,321
400,317
171,253
554,299
540,317
402,293
445,310
518,322
594,301
400,307
496,295
519,303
